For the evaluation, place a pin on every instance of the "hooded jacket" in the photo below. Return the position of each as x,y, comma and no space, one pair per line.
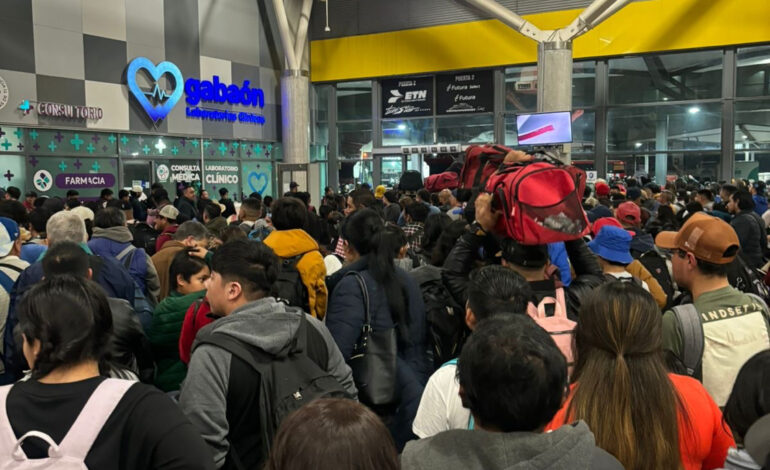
290,243
760,204
220,395
111,241
751,233
164,336
568,448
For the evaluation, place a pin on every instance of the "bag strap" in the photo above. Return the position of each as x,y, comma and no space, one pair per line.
12,267
234,347
7,436
692,336
128,249
367,327
561,304
89,423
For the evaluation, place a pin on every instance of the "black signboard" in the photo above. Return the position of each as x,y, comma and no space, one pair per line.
407,97
467,92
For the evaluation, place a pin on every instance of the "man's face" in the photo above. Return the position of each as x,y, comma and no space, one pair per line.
732,207
106,198
724,195
30,200
189,193
161,223
700,200
349,207
215,293
204,195
680,267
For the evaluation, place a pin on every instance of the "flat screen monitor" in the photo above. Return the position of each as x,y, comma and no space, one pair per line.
544,128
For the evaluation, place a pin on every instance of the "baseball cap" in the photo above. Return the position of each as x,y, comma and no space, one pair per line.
136,189
612,244
602,189
379,191
168,211
83,212
607,222
708,238
293,184
526,256
9,232
629,213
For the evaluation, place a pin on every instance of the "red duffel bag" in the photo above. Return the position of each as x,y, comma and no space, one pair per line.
481,162
445,180
540,202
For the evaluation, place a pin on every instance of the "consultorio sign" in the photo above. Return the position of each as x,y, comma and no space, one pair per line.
69,111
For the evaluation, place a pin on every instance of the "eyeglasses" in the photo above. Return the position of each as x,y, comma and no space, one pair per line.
681,253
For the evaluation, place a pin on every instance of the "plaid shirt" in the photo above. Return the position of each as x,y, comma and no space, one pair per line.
414,234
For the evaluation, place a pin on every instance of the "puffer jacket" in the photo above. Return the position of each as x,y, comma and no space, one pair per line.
164,337
129,347
112,241
345,319
290,243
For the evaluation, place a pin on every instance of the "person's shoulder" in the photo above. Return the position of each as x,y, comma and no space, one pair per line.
444,377
686,386
603,460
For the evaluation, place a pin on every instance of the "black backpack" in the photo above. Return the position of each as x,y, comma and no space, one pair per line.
287,382
656,265
446,319
144,237
411,180
747,279
289,287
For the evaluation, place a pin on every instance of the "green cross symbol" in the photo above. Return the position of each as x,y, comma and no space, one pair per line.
33,134
112,138
236,145
6,144
90,148
18,133
76,142
269,147
62,166
124,140
258,149
222,148
95,166
206,143
174,150
52,146
194,143
146,149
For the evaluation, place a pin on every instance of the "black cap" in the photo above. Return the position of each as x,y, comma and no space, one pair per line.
293,184
526,256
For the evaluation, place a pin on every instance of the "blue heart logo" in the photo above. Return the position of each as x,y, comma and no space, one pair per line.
254,179
161,110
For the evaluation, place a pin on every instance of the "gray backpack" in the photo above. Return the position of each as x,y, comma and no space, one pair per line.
71,453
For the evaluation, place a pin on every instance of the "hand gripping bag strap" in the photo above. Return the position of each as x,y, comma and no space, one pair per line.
89,423
692,335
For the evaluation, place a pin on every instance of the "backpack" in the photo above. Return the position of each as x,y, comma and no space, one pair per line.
747,279
288,380
71,453
411,180
656,265
561,328
144,237
446,180
258,234
446,319
541,202
289,286
481,162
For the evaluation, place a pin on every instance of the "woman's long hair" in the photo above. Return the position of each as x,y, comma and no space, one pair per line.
365,231
622,390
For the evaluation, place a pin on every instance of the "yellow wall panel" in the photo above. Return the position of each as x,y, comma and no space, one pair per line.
655,25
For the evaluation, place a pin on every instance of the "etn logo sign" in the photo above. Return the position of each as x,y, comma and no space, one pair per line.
416,95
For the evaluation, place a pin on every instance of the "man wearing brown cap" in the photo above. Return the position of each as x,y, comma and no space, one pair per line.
713,337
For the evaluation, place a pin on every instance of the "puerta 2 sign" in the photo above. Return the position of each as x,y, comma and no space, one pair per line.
467,92
407,97
157,102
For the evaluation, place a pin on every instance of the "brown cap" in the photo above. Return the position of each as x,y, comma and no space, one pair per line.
708,238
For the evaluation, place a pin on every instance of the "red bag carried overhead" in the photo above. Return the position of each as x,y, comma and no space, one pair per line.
446,180
481,162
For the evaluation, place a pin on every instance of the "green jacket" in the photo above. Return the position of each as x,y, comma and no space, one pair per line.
164,334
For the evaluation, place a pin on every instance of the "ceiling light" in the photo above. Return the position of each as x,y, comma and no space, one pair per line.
401,127
638,144
694,110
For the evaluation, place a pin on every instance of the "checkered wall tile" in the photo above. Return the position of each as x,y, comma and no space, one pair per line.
76,52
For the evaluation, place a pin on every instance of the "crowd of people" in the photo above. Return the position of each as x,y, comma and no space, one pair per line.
385,329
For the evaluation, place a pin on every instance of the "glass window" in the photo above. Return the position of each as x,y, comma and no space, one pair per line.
355,138
478,128
407,132
670,77
354,100
583,131
392,167
753,71
695,126
697,165
753,165
322,94
521,86
752,125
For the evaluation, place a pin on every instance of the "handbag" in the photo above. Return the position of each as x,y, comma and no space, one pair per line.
373,360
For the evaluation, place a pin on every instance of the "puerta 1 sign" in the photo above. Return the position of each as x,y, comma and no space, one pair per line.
158,101
407,97
467,92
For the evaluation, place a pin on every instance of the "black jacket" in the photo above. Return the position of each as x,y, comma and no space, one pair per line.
187,209
129,347
461,260
751,233
229,207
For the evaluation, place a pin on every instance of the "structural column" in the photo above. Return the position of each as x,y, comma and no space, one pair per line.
554,80
295,119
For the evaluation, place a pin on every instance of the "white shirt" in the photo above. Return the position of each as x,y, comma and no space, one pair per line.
627,275
440,407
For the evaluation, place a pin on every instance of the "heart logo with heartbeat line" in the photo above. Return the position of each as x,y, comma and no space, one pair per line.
164,102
